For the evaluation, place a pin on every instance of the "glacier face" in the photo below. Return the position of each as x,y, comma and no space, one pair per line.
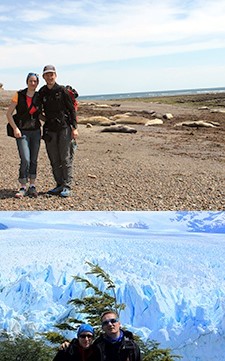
168,268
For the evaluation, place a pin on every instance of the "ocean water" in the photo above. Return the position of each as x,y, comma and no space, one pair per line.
151,94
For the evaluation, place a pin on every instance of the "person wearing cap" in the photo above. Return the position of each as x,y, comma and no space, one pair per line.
60,130
116,344
26,129
80,348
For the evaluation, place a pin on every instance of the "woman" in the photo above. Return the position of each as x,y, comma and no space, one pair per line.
26,129
80,348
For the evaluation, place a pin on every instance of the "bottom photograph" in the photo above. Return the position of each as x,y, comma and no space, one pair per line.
112,286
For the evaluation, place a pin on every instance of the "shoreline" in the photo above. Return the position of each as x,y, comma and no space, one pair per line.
153,94
176,97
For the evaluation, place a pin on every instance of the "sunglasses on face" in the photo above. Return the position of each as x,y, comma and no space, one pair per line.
84,336
111,320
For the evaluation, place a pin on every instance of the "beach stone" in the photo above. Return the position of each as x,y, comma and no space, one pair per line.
155,121
89,125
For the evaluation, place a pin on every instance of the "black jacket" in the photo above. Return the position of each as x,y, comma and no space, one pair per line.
76,353
57,107
124,350
23,119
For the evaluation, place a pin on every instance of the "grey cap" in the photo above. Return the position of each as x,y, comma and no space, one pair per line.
49,69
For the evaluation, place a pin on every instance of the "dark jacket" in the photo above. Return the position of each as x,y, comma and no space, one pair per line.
23,118
124,350
76,353
57,107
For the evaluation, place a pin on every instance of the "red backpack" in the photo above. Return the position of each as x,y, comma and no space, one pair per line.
73,94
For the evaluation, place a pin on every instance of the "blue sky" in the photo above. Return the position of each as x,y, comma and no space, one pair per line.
115,46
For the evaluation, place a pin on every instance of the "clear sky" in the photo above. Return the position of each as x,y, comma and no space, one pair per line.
114,46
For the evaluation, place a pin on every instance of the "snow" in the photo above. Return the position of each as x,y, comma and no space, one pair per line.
168,268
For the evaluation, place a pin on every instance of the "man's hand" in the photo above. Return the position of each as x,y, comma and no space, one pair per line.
74,133
64,346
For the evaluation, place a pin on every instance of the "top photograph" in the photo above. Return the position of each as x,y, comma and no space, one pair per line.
104,111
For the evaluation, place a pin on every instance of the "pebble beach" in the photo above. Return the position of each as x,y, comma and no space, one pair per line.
163,167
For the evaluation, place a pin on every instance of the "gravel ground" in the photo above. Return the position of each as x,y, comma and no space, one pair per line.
157,168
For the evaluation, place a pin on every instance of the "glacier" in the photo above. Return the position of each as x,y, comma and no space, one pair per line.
168,268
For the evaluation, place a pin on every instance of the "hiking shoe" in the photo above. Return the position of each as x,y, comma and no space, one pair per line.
65,192
21,193
55,191
32,192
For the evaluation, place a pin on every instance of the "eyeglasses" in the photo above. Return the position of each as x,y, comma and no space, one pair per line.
111,320
84,336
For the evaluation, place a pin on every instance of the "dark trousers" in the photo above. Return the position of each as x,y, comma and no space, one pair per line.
60,156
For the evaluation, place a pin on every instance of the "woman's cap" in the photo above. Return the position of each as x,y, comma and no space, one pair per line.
49,69
85,328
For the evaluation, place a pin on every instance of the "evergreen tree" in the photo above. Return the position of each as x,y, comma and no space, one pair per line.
23,348
152,352
96,301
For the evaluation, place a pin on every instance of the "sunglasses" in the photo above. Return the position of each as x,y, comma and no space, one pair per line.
111,320
84,336
32,74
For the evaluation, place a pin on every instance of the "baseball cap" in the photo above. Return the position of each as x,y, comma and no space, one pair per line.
49,69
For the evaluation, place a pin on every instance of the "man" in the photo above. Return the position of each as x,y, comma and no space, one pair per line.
116,344
59,130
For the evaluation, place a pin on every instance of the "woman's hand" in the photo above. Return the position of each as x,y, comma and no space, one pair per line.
17,133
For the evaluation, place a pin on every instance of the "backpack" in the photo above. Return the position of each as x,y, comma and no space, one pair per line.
73,94
131,347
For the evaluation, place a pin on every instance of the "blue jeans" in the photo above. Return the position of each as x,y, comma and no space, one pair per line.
28,147
60,152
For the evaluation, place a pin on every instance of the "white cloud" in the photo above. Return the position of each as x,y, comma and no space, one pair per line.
29,15
87,32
